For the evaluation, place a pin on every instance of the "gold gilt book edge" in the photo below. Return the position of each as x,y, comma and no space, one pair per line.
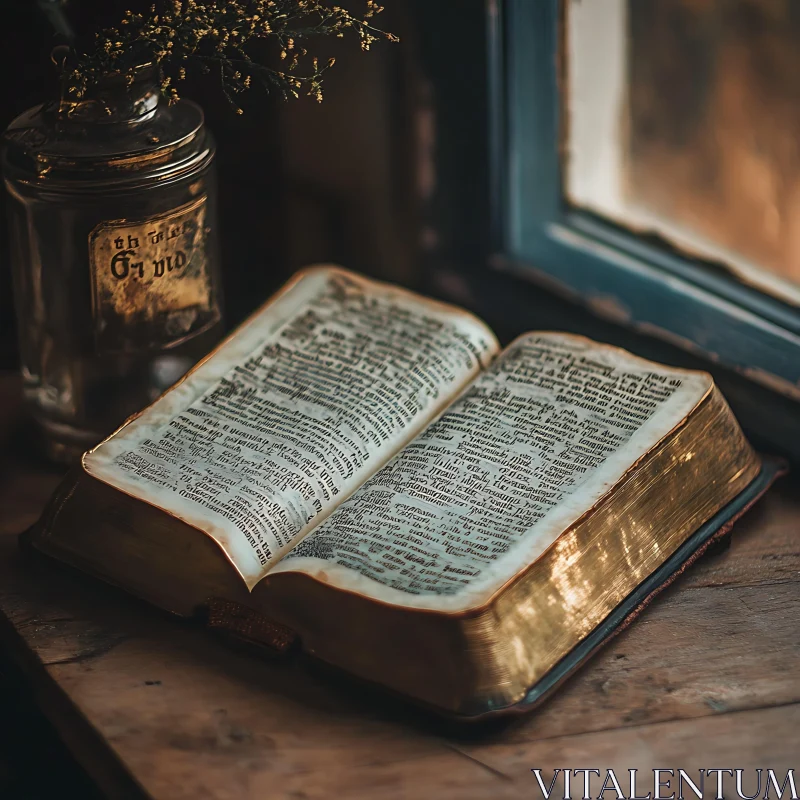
558,570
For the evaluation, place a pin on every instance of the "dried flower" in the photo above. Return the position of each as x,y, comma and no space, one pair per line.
178,35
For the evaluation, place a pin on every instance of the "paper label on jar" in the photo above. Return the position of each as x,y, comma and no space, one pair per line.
151,283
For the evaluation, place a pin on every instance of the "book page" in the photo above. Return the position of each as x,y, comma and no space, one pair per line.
530,447
309,398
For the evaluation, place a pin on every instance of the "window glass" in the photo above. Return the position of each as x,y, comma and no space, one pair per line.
682,117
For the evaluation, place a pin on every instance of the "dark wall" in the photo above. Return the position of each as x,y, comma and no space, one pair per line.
25,69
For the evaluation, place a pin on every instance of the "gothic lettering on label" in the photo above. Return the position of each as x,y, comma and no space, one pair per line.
156,262
287,431
526,436
152,272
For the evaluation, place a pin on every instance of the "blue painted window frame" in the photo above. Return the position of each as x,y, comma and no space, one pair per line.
619,275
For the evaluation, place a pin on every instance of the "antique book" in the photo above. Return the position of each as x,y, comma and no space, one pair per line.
364,470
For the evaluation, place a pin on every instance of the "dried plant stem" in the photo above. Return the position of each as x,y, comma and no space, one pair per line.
180,35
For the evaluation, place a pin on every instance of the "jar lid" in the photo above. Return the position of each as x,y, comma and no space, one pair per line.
158,141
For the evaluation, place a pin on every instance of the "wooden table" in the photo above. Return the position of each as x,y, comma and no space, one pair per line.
708,677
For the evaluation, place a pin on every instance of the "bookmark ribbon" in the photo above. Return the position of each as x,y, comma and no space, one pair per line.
246,624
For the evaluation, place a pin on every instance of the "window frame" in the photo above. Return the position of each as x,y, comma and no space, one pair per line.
638,281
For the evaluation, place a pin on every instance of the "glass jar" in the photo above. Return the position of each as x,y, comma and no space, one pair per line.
114,254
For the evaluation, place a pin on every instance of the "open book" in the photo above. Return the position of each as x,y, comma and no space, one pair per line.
365,468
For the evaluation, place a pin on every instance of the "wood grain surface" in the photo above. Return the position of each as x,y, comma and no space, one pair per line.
708,677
